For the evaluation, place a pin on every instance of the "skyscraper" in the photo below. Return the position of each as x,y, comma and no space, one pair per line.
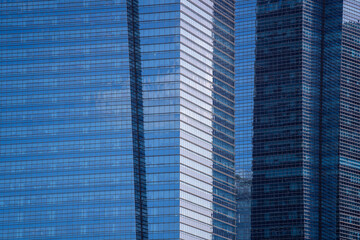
188,88
340,155
305,148
72,153
286,120
117,119
120,119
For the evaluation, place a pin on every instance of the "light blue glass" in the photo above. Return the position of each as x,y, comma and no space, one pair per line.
72,155
245,26
117,119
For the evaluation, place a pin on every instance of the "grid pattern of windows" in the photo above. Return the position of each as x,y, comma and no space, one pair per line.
340,162
286,120
245,21
91,91
207,116
349,165
71,121
306,120
330,119
310,89
187,52
277,190
160,45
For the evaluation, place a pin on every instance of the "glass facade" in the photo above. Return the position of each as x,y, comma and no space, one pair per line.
187,50
305,151
278,189
179,119
340,162
117,119
349,165
245,29
330,120
72,156
160,54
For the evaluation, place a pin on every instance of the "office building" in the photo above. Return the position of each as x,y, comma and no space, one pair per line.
188,91
340,169
124,119
72,152
117,119
285,191
188,82
306,121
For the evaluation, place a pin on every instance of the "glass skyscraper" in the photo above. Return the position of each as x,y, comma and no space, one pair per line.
305,162
340,163
117,119
179,119
286,120
187,53
72,146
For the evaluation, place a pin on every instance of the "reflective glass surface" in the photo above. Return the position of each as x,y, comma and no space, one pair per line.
187,50
160,45
306,120
245,28
72,157
349,165
93,93
285,188
340,162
